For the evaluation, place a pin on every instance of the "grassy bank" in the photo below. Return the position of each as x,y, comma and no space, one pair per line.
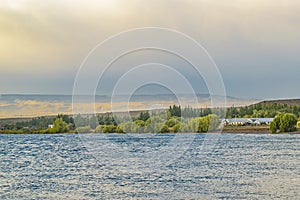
253,129
246,129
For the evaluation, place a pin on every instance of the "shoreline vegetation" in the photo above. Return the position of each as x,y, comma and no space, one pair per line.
285,118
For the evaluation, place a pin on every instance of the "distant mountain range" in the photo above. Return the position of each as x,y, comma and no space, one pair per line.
20,105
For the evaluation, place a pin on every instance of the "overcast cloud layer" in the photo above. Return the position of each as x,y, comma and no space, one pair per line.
255,43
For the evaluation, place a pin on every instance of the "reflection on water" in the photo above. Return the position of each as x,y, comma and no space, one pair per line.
235,167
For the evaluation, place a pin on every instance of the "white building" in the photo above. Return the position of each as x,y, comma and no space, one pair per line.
247,121
50,126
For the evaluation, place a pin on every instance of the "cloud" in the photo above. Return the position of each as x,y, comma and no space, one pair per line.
54,31
50,39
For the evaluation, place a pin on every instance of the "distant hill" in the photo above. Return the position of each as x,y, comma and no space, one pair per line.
265,109
289,102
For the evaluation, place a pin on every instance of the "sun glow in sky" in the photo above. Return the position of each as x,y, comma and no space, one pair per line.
254,43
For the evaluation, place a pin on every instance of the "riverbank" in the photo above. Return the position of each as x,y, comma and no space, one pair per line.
228,130
252,130
246,129
261,129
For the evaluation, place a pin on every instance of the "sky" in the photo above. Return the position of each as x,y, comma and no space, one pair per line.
254,43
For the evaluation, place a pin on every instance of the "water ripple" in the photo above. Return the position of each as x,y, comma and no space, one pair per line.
236,167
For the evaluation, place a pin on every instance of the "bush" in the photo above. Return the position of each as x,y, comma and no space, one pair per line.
273,127
109,129
59,126
98,129
171,122
214,122
164,129
199,124
106,129
288,123
144,116
84,129
176,127
284,123
184,128
119,130
128,127
140,123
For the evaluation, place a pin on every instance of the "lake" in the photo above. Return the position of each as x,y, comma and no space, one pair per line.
150,166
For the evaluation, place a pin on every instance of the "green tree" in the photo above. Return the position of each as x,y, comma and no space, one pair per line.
109,128
213,121
66,118
140,123
164,129
204,124
184,128
288,122
81,121
176,127
130,127
98,129
274,125
171,122
175,111
93,121
139,126
199,124
284,123
144,116
59,126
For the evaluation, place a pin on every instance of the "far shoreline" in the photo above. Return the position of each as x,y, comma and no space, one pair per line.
253,130
244,131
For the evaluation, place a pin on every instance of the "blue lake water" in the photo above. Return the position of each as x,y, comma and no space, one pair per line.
211,166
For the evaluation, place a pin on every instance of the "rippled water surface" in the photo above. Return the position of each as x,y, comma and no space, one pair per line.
229,166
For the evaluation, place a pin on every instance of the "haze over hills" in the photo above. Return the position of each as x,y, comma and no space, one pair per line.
26,105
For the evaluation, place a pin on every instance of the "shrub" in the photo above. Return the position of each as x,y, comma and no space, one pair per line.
164,129
171,122
84,129
284,123
108,128
288,122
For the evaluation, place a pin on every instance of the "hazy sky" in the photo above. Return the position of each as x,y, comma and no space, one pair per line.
255,43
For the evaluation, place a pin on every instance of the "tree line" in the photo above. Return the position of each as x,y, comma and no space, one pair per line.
262,110
174,119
